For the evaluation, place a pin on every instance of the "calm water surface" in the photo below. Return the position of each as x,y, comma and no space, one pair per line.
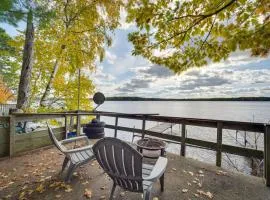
228,110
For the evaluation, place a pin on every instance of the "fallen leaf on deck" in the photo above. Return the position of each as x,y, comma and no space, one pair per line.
219,172
58,196
68,189
8,196
191,173
87,193
155,198
75,174
21,196
102,188
24,187
40,188
86,182
200,172
30,192
174,169
189,184
102,197
122,194
201,175
185,190
10,183
207,194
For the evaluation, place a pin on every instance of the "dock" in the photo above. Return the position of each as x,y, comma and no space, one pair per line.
161,127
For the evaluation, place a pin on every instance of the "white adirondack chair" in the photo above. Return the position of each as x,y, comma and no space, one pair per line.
73,157
125,167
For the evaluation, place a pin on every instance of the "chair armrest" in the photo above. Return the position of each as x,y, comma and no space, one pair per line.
158,169
69,140
79,149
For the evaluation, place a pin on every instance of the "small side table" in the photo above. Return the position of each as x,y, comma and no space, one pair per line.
151,144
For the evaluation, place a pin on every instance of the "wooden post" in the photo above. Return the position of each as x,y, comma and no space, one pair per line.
183,140
143,127
66,127
219,144
71,124
78,125
12,132
115,128
267,155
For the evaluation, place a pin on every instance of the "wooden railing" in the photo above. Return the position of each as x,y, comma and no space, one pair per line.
181,139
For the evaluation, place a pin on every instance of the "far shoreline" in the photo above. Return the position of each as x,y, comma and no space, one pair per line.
191,99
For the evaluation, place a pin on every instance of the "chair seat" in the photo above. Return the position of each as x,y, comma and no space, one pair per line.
81,156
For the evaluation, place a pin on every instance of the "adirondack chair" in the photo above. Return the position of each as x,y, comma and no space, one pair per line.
73,157
125,167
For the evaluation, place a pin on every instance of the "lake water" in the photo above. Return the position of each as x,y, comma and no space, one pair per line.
227,110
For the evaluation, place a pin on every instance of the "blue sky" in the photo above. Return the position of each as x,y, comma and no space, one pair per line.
122,74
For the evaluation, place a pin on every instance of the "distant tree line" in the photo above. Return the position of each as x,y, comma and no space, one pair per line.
197,99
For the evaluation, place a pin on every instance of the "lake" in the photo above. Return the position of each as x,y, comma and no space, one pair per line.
249,111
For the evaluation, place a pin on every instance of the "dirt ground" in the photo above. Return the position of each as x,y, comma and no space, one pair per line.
35,175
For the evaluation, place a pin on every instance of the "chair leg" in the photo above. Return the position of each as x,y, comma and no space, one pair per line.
147,194
161,179
64,163
70,172
112,191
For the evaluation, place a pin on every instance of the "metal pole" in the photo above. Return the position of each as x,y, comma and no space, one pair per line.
79,88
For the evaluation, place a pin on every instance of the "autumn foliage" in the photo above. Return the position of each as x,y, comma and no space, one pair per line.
5,93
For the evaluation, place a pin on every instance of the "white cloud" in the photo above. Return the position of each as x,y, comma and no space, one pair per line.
110,57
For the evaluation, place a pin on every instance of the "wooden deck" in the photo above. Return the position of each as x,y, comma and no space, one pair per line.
35,176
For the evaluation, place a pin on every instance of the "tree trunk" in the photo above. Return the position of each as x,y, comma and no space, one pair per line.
25,78
44,98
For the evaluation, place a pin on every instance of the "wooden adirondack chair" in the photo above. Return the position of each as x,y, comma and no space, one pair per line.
125,167
73,157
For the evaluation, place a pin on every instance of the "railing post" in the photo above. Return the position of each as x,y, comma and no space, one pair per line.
115,128
78,125
143,127
12,132
66,127
267,155
219,144
183,140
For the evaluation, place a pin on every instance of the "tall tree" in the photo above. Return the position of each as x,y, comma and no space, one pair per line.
183,34
78,36
13,11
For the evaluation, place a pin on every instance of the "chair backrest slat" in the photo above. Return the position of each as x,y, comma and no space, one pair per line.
54,139
121,162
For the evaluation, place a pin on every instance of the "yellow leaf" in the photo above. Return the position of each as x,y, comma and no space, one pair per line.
40,188
88,193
